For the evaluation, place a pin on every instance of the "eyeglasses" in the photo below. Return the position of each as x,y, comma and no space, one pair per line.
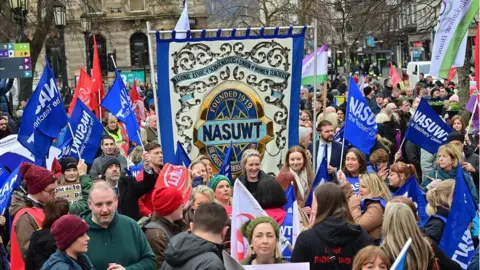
51,192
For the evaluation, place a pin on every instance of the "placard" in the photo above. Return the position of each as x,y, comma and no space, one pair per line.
70,192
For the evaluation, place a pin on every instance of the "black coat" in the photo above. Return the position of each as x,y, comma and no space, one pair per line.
331,237
42,246
261,176
130,190
335,158
435,226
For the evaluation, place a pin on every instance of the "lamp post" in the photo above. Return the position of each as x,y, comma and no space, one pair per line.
59,13
20,11
86,23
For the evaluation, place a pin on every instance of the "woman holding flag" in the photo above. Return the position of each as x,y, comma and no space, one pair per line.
298,164
400,172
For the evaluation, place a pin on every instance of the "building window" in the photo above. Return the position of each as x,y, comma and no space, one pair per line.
52,49
139,50
102,52
136,5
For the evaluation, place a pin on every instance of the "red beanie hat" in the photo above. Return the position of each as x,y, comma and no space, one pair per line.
36,178
67,229
166,200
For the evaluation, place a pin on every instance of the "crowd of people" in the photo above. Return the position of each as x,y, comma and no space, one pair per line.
125,221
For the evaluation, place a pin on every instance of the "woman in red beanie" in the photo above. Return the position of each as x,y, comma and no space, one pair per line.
70,233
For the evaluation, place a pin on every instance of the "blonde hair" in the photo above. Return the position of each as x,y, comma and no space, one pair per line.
399,224
376,186
440,195
204,190
246,155
453,152
382,118
332,117
368,254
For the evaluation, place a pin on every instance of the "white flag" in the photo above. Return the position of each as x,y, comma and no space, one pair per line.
183,22
297,225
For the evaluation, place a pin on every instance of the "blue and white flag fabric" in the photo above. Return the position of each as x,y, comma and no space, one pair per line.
426,129
66,147
7,184
43,117
360,127
181,156
456,240
287,226
412,190
118,103
400,261
226,168
355,183
134,170
320,178
85,128
183,22
339,136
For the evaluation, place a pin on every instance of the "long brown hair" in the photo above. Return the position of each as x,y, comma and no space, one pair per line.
368,254
331,202
362,162
407,170
54,209
306,162
459,118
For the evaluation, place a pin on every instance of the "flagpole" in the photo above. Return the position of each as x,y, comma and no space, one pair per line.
315,58
73,138
324,95
399,149
402,253
473,115
343,147
152,78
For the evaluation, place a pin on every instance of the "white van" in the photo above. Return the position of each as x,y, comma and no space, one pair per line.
415,68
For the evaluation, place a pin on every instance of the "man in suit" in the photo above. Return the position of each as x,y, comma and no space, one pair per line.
334,149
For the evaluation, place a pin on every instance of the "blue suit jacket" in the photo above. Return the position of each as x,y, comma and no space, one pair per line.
336,153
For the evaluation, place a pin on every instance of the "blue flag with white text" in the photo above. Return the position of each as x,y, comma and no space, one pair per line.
456,240
360,127
226,168
320,178
134,170
412,190
43,117
86,131
287,225
118,103
426,129
181,156
7,184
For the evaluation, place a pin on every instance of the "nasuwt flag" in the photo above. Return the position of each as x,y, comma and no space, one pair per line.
360,127
177,177
308,64
226,168
96,92
453,23
183,22
8,182
181,156
400,261
411,189
138,104
426,129
86,136
287,226
82,91
43,117
118,103
320,178
394,76
456,240
245,208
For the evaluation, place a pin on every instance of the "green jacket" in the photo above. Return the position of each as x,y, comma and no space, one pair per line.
123,242
81,205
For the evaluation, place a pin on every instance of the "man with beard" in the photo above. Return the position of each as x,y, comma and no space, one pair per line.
4,129
127,188
109,149
327,145
116,241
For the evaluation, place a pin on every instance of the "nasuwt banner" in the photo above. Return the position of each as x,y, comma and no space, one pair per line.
243,89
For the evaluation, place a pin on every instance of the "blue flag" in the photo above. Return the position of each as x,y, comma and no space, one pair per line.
456,240
400,261
320,178
412,190
181,156
339,136
7,184
43,117
118,102
66,147
360,127
134,170
355,183
287,226
85,128
226,168
427,129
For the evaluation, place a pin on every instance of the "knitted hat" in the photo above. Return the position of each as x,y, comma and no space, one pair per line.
67,229
455,98
107,161
166,200
249,226
36,178
455,136
216,179
68,163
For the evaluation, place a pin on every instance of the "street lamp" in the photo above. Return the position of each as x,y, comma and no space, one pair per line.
20,11
59,14
86,23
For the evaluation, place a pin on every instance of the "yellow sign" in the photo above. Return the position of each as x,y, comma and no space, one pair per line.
339,100
70,192
23,53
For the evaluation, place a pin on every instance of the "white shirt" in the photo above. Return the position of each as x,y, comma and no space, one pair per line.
321,150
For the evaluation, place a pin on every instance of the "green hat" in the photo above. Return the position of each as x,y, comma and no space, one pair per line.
249,226
216,179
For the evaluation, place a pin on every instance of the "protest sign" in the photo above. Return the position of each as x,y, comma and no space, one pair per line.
71,192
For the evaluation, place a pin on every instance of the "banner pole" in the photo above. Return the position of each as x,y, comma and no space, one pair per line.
399,149
324,96
341,155
471,117
315,58
152,78
73,139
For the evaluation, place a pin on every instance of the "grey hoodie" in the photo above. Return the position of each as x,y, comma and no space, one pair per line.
188,251
96,169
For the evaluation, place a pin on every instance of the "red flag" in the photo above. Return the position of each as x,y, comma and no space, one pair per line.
82,91
138,105
451,74
97,92
176,177
477,58
394,76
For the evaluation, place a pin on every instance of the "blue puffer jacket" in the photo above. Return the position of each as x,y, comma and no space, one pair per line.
4,88
61,261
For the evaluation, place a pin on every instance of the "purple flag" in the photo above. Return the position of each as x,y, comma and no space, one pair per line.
471,108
